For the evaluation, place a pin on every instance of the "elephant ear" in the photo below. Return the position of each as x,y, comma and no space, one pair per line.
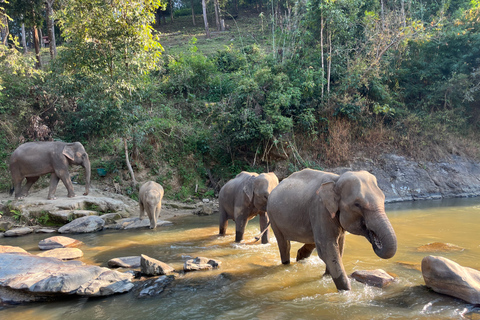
329,197
69,152
248,188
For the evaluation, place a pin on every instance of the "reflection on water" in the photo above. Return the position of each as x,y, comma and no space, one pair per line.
252,283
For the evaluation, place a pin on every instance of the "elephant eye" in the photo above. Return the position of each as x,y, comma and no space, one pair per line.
358,205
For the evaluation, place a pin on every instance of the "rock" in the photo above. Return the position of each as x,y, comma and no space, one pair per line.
61,216
45,230
18,232
201,263
58,242
155,287
62,253
125,262
4,249
110,218
377,278
175,205
5,225
49,278
205,210
153,267
448,277
136,223
410,265
83,225
439,247
84,213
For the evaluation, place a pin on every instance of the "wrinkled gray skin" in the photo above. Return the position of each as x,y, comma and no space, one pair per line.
150,200
34,159
244,197
316,208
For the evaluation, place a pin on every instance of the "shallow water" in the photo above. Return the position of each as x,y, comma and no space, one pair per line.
252,283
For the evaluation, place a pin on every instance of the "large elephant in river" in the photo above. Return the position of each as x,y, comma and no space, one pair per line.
244,197
150,201
34,159
316,208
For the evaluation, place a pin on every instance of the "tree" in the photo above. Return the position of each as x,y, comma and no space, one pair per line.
51,28
205,20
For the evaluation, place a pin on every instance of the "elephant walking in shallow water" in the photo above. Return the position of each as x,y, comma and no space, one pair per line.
244,197
34,159
316,208
150,201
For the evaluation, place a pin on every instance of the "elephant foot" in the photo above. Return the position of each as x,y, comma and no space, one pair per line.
52,198
71,195
286,262
85,193
238,236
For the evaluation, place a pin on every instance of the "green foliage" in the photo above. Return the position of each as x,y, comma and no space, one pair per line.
44,218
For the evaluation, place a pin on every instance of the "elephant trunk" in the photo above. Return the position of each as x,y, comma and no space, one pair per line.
86,165
381,235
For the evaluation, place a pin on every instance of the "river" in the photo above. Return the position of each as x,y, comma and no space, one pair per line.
252,283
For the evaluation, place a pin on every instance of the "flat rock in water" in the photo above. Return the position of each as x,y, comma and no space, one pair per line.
58,242
49,278
125,262
439,247
136,223
155,287
18,232
4,249
410,265
377,278
201,263
448,277
83,225
62,253
153,267
45,230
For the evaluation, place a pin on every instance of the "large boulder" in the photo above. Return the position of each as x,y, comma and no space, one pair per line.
4,249
39,278
154,267
62,253
83,225
58,242
448,277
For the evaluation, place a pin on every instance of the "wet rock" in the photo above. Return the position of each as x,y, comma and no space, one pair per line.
50,278
448,277
62,253
83,225
45,230
125,262
58,242
18,232
136,223
155,286
4,249
410,265
439,247
377,278
153,267
201,263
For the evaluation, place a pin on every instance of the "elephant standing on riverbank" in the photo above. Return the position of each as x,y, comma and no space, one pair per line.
150,200
34,159
244,197
316,208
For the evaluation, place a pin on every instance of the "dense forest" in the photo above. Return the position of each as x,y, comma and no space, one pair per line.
264,85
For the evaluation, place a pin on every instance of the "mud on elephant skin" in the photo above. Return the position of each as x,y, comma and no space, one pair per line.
34,159
150,200
316,208
244,197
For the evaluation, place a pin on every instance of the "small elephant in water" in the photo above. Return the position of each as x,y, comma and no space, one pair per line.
244,197
150,200
34,159
316,208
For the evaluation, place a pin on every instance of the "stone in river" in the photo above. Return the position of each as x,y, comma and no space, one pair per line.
58,242
62,253
125,262
439,247
377,278
153,267
201,263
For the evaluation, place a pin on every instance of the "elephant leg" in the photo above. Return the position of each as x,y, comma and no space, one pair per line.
305,251
283,245
341,246
28,185
53,186
17,179
240,225
330,254
263,226
65,177
223,222
142,209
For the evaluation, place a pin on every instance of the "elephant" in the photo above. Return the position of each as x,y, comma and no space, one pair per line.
34,159
150,200
244,197
317,208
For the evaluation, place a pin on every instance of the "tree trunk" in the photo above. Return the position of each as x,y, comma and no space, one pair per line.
129,166
193,13
51,29
321,49
217,14
171,11
329,60
205,20
5,31
36,41
24,39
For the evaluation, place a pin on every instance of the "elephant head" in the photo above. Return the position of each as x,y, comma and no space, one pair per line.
76,154
359,204
258,188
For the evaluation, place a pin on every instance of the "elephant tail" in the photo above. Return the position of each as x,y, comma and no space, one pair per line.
259,236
